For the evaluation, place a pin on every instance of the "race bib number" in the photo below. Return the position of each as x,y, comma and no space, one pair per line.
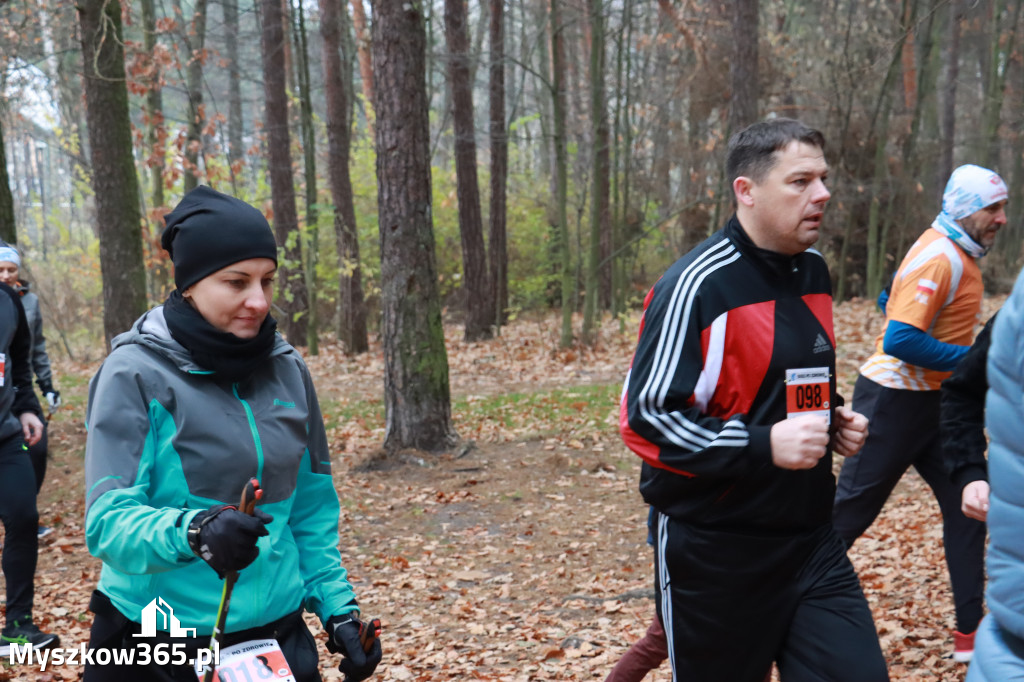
257,659
3,367
807,392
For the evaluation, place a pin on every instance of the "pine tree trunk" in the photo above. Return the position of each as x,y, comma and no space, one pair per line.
115,184
948,115
363,52
880,132
499,166
311,232
291,285
622,163
351,305
599,173
195,42
561,173
8,228
156,139
416,390
236,149
743,66
475,284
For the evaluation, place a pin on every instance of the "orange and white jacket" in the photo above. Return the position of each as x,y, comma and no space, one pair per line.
937,289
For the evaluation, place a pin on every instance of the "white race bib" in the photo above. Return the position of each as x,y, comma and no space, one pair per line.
257,659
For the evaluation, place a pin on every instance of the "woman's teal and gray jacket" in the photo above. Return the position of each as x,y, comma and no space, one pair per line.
167,439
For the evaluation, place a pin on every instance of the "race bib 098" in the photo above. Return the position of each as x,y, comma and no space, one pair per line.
807,392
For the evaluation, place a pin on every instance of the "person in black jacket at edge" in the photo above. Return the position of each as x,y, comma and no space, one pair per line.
962,425
20,427
731,403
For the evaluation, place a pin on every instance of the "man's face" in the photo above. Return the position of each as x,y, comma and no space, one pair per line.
982,225
788,204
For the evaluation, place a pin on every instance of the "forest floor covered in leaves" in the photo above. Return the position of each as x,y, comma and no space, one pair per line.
520,555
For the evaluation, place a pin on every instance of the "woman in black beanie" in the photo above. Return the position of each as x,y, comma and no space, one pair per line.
199,397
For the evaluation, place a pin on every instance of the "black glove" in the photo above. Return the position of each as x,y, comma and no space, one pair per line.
357,663
226,538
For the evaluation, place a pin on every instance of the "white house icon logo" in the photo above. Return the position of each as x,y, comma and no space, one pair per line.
158,608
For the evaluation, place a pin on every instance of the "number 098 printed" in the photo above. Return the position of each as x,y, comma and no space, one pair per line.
807,392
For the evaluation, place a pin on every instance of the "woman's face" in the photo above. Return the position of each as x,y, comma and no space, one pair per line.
236,299
8,273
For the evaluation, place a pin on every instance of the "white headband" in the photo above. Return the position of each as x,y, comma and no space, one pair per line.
971,188
10,254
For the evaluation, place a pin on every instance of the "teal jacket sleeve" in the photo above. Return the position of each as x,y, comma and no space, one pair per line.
122,527
314,523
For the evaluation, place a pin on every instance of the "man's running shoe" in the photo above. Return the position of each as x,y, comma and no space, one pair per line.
963,646
44,531
23,631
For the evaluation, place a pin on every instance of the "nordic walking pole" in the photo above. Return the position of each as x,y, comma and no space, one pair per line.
368,634
247,505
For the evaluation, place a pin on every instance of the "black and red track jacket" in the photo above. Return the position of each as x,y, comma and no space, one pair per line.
707,382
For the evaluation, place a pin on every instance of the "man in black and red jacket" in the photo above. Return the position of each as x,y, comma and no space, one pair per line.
731,403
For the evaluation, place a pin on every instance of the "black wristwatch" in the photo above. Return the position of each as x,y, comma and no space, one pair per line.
193,533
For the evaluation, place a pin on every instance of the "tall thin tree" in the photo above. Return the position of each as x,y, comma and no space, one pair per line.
599,219
948,114
561,174
351,306
365,57
498,247
114,182
195,45
156,140
416,391
622,162
475,284
8,229
291,282
311,233
235,123
743,66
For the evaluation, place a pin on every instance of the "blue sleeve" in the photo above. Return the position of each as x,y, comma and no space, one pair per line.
883,300
652,522
910,344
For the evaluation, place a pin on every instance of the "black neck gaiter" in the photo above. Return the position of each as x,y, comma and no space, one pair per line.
229,356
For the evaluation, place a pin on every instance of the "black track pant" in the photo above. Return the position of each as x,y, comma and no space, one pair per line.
733,603
21,523
904,432
112,630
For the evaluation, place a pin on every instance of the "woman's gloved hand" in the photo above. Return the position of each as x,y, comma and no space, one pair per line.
344,632
225,538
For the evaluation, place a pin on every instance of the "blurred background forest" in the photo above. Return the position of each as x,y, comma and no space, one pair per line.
611,115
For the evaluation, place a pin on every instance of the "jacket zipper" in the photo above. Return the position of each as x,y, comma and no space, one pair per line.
253,430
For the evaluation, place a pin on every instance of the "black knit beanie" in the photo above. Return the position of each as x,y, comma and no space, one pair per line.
208,231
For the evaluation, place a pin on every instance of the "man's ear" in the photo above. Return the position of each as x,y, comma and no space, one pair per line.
742,187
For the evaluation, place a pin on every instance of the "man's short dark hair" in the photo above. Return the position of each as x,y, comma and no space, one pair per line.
752,150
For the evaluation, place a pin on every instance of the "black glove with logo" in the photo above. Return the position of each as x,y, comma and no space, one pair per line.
225,538
343,632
